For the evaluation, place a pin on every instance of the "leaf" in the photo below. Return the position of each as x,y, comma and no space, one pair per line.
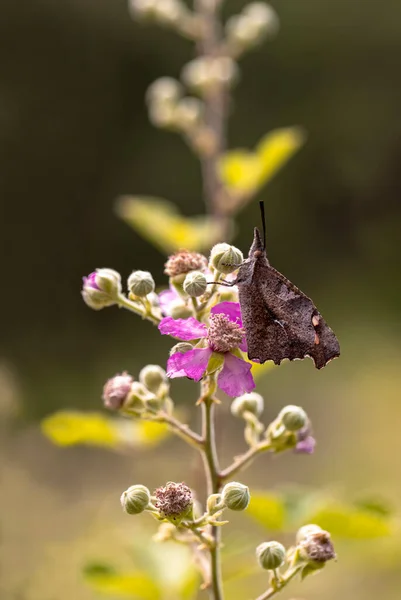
267,510
159,222
244,172
350,522
137,585
69,428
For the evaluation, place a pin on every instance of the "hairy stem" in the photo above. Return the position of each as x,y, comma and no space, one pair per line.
272,591
209,45
124,302
244,460
213,487
180,429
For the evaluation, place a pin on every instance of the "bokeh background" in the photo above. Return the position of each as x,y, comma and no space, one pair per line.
74,135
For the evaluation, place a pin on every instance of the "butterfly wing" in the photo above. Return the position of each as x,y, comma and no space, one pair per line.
280,321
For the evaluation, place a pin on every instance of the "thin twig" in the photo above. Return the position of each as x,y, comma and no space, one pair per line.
244,460
272,591
181,429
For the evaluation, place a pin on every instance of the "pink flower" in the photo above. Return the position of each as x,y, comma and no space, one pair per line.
223,335
305,441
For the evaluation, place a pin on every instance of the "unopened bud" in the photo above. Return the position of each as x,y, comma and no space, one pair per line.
101,288
293,417
179,310
235,496
251,403
135,499
116,391
162,115
164,90
153,378
264,18
214,502
188,113
225,258
140,399
270,555
181,347
140,283
204,73
195,284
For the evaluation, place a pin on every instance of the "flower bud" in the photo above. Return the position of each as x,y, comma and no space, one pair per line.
181,347
251,403
195,284
169,12
140,399
235,496
270,555
225,258
141,283
174,502
142,9
116,391
135,499
264,18
188,113
205,73
162,115
317,548
164,90
153,378
293,417
305,531
214,503
179,310
101,288
183,262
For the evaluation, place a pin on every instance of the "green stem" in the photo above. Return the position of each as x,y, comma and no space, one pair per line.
181,429
244,460
213,487
272,591
124,302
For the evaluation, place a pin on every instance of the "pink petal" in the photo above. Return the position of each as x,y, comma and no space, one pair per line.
183,329
235,378
243,345
166,297
230,309
192,364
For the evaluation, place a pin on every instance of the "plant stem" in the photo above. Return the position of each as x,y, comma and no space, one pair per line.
209,45
272,591
182,430
124,302
244,460
213,487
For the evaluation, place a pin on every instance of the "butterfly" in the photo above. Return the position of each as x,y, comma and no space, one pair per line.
279,320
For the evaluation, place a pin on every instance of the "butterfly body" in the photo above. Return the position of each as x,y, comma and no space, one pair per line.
280,321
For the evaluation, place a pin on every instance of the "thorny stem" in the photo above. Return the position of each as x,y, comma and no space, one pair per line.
273,590
213,487
244,460
209,45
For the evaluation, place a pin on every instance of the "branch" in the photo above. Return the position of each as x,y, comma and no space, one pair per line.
244,460
273,590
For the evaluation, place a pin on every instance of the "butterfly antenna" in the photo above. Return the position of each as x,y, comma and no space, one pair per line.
263,217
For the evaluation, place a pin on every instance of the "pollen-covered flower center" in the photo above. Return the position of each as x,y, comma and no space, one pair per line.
224,335
183,262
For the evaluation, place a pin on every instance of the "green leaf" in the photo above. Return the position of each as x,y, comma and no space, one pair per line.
69,428
170,231
137,585
267,510
349,522
244,172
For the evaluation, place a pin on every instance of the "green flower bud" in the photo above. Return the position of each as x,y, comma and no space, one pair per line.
164,90
139,399
195,284
140,283
225,258
204,73
252,403
162,115
181,347
153,378
214,503
263,17
235,496
270,555
305,531
293,417
135,499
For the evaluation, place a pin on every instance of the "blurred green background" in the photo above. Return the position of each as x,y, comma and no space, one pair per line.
74,135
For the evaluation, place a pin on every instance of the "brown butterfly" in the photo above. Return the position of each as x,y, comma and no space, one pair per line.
279,320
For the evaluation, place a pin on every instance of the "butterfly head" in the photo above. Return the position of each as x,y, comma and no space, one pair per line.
258,248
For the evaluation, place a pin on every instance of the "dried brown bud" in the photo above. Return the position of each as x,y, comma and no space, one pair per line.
317,547
174,501
183,262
